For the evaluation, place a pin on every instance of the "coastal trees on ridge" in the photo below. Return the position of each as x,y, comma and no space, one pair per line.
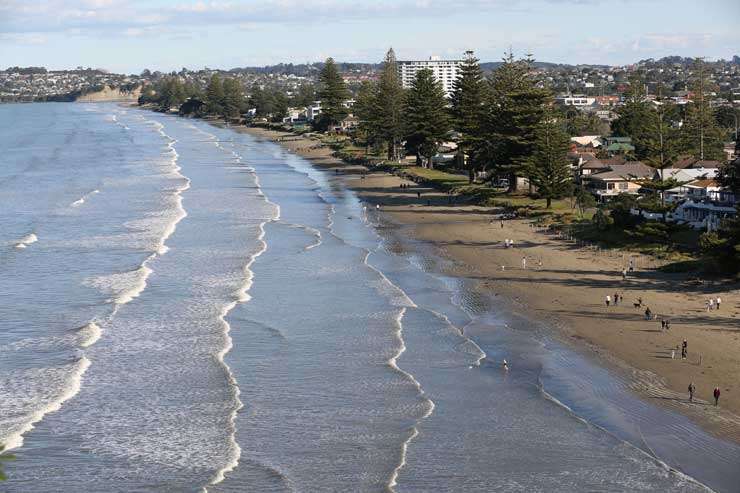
388,105
469,92
426,121
333,94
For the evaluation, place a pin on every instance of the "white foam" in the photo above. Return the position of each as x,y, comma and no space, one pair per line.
82,199
26,240
15,438
90,334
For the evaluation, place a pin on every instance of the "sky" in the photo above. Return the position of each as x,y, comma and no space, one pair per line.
129,36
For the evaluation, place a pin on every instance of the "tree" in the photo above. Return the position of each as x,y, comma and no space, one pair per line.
232,98
660,146
634,115
388,105
514,110
365,110
550,170
584,200
426,120
333,94
702,137
215,96
467,99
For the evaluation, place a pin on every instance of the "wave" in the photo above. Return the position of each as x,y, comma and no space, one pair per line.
26,241
241,296
15,439
82,199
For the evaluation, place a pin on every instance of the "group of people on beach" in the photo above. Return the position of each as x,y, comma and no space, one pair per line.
713,304
692,390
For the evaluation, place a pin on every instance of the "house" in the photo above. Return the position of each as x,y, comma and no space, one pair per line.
618,145
618,179
591,141
685,177
707,203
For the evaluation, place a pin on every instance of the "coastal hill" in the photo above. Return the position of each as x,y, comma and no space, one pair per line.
110,94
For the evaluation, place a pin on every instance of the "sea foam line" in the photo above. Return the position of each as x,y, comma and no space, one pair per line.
241,296
16,439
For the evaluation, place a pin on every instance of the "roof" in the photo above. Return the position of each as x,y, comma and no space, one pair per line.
585,140
704,183
634,170
688,174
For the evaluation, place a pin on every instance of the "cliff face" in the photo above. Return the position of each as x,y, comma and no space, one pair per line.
110,94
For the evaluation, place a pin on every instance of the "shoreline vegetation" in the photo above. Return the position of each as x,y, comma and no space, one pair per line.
508,208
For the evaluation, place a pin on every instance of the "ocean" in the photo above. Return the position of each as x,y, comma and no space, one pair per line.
188,308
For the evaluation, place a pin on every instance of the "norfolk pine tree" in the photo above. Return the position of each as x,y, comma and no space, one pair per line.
468,111
388,115
333,94
215,96
549,168
515,109
425,114
232,99
702,137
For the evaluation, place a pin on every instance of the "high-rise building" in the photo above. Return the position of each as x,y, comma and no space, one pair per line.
445,71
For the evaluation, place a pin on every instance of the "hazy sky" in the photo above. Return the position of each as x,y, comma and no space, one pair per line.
132,35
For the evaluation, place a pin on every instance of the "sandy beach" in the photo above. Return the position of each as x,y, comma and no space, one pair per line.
565,287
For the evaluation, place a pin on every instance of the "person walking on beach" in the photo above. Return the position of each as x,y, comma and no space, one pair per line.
624,274
716,395
710,305
418,194
632,264
608,300
692,391
719,300
616,299
524,263
684,349
502,223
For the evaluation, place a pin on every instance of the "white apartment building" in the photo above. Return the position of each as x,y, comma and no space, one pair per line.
445,71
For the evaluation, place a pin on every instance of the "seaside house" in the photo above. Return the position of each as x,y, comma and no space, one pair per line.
707,203
618,179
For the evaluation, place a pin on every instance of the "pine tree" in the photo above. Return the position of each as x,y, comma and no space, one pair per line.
468,96
550,169
232,98
701,135
514,111
215,96
660,146
333,94
365,110
425,114
388,105
634,116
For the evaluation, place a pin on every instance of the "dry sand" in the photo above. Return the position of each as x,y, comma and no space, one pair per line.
568,290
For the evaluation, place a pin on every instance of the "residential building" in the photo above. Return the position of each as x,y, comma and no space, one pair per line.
445,71
618,179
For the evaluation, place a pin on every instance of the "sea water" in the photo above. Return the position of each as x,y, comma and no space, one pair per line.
187,308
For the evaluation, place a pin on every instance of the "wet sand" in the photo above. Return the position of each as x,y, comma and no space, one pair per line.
565,287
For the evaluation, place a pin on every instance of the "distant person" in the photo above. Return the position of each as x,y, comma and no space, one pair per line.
506,366
648,314
608,300
662,324
673,354
716,395
616,299
632,265
624,274
692,391
377,207
718,302
502,223
418,194
711,304
524,263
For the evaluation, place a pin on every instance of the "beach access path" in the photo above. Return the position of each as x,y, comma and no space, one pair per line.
565,287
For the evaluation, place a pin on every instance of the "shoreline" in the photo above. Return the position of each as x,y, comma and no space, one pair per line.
571,287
